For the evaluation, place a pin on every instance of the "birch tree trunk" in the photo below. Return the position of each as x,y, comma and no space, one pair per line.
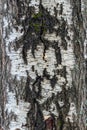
43,65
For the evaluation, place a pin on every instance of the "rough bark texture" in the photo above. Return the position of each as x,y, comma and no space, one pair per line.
43,65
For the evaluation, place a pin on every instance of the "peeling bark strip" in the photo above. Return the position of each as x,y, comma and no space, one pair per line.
43,75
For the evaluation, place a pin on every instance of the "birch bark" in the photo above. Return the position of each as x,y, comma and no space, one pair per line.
43,65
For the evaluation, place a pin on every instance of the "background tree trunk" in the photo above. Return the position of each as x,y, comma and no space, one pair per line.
43,65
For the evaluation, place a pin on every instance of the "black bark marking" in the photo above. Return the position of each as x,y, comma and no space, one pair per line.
53,81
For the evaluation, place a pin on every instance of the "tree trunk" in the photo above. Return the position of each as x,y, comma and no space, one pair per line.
43,65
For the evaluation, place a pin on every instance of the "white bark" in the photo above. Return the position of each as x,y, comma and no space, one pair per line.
14,81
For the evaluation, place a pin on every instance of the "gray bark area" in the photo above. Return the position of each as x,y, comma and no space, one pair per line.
43,65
